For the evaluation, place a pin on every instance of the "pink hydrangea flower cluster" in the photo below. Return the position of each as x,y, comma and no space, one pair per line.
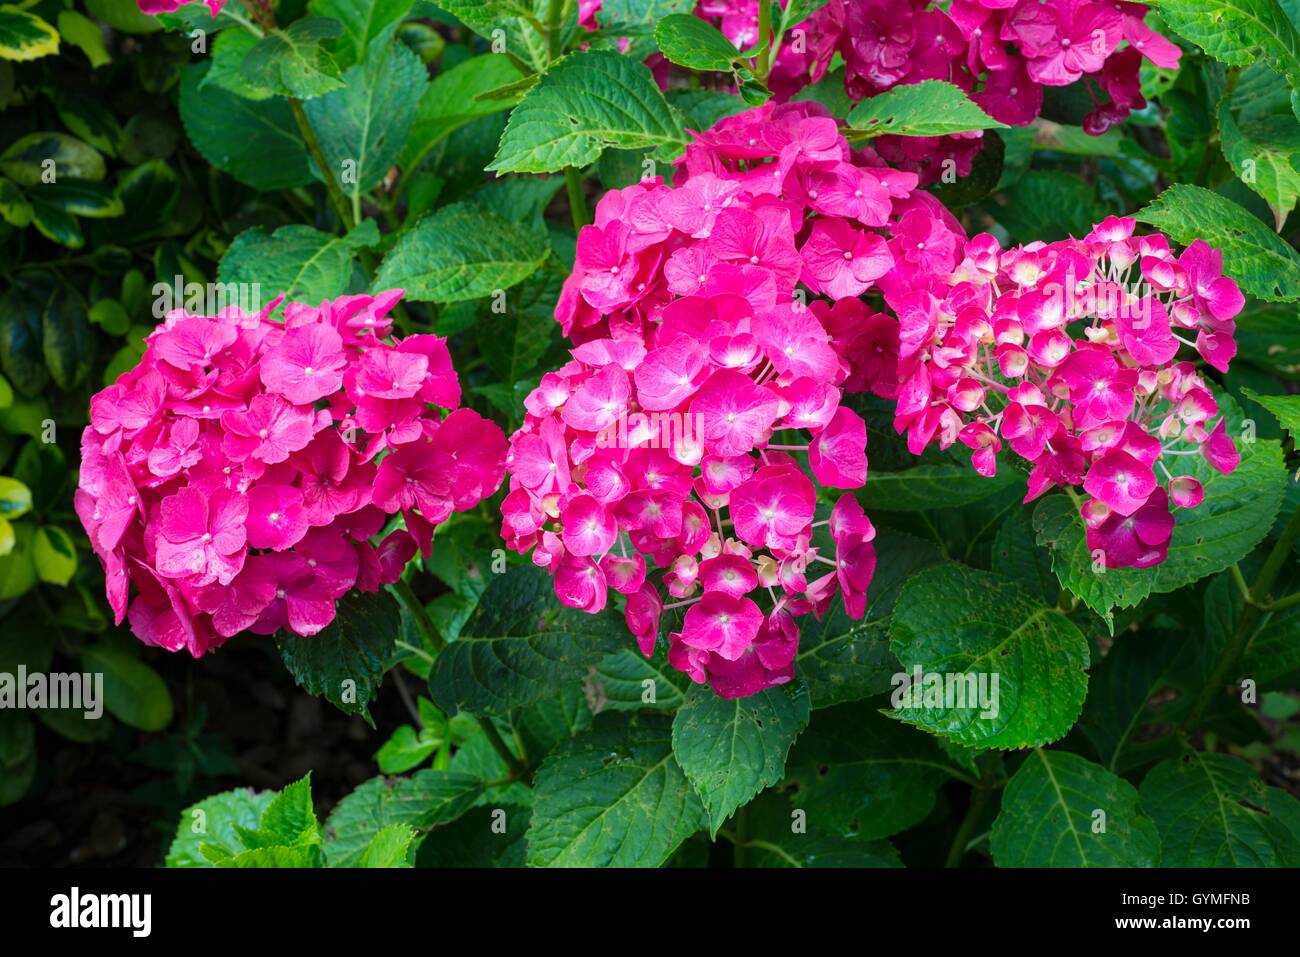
238,474
1067,353
702,407
1001,52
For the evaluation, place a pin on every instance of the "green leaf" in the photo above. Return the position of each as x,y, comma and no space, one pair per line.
14,209
362,22
56,225
586,103
261,858
216,821
928,108
1238,32
619,682
81,198
859,772
951,621
1212,811
1059,810
696,44
475,840
305,264
258,143
1237,513
1048,205
843,659
390,847
926,487
15,498
134,693
125,15
83,33
405,749
422,801
288,821
452,100
292,62
519,645
732,749
1261,263
1263,154
462,252
613,797
1016,556
229,50
17,756
363,127
1285,407
21,356
67,339
1121,688
521,24
42,158
54,555
786,836
346,661
17,570
25,36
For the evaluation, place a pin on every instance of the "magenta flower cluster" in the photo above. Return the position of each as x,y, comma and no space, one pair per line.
1067,353
702,379
1001,52
241,474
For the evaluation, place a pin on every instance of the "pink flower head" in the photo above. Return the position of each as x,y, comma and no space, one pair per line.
1139,540
722,623
230,477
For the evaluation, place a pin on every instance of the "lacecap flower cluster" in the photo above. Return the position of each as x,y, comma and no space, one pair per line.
1003,53
241,474
1068,354
704,395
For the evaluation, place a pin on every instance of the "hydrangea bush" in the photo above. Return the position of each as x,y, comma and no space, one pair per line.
285,277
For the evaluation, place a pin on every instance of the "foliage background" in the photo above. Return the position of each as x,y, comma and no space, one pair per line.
200,155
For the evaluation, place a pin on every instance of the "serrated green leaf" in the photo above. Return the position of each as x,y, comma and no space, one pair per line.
586,103
452,100
390,847
292,61
928,108
216,821
953,621
613,797
1263,153
462,252
1261,263
786,836
1212,811
362,21
843,659
732,749
345,662
519,645
405,749
422,801
619,682
258,143
305,264
859,772
1060,810
696,44
1285,407
363,127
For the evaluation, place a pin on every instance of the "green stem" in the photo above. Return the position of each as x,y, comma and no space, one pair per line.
1287,602
1256,606
577,198
517,769
979,802
401,590
764,37
744,838
554,42
337,199
1240,581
